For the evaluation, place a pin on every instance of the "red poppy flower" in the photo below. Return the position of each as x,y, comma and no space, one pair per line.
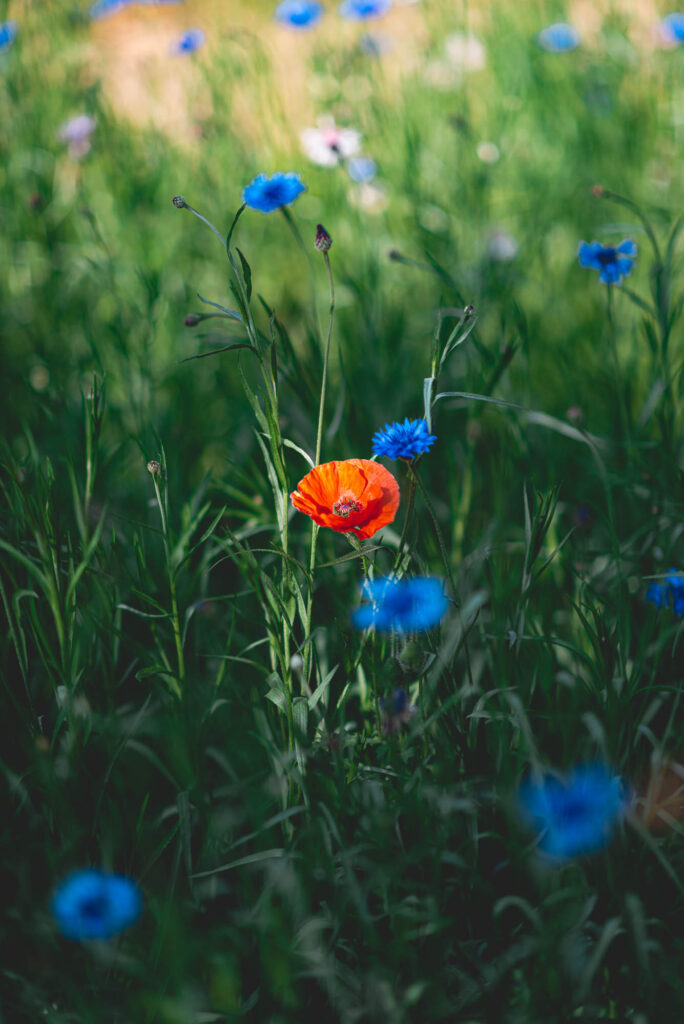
351,496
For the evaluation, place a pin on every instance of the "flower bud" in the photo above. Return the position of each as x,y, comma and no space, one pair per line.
178,202
597,190
323,241
154,468
192,319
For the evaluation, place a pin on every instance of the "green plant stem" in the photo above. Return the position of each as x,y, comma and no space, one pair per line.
175,618
317,459
410,501
436,527
624,420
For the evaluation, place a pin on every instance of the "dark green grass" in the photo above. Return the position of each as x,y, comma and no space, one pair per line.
296,863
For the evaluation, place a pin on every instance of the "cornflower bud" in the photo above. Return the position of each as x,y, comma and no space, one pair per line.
323,241
154,468
192,319
597,190
178,202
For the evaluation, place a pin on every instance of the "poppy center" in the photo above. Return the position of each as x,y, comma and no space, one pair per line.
344,507
606,256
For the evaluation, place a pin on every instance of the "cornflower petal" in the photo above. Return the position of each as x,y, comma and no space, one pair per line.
403,605
93,904
612,262
403,440
267,194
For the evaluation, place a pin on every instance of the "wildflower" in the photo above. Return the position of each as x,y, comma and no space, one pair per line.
397,712
467,52
403,440
351,496
671,29
93,904
669,594
299,14
8,31
362,169
501,247
402,605
327,145
362,10
268,194
488,152
103,8
575,816
614,263
323,242
189,42
76,133
560,37
154,468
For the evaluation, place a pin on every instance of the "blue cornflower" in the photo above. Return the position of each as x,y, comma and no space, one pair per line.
93,904
575,816
362,168
614,263
189,42
403,440
559,38
397,712
268,194
362,10
672,28
301,14
103,8
8,31
402,605
669,594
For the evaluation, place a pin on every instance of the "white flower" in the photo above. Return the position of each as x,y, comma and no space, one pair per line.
502,247
76,133
488,152
466,51
327,145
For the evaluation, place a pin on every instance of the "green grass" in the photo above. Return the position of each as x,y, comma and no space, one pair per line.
296,862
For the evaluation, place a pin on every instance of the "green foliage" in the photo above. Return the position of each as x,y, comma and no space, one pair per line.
184,698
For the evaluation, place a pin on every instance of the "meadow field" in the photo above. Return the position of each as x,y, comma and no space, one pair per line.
341,517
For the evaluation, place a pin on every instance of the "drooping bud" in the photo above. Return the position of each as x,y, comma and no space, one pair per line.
179,202
154,468
192,319
597,190
323,241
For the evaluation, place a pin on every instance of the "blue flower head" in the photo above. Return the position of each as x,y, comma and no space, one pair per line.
672,28
362,10
93,904
103,8
669,594
268,194
361,168
403,440
300,14
397,712
8,30
189,42
559,38
613,263
402,605
575,816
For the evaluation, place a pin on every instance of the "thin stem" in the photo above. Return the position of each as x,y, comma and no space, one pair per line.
436,527
317,459
175,618
624,421
410,498
216,231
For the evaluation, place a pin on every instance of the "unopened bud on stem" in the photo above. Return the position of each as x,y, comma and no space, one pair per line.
192,319
179,202
154,468
323,241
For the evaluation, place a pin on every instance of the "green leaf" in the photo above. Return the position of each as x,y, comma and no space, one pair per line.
246,273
